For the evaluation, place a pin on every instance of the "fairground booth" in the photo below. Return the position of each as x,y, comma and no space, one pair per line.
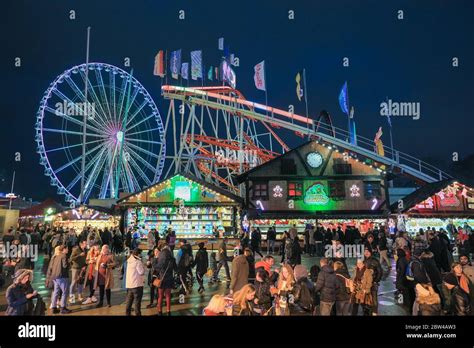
442,204
40,214
86,216
315,183
191,207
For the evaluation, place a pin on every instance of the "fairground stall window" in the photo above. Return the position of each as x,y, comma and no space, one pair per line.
337,190
341,167
295,190
260,191
372,189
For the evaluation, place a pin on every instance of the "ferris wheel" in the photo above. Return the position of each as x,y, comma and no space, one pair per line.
125,145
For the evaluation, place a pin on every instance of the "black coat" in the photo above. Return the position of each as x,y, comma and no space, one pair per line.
165,267
431,269
460,302
201,261
342,293
327,284
374,264
262,292
304,297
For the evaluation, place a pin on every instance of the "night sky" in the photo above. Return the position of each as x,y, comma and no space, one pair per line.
407,60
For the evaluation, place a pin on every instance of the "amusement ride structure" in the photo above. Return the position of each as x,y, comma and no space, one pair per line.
212,132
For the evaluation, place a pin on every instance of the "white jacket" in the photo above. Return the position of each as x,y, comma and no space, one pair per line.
135,277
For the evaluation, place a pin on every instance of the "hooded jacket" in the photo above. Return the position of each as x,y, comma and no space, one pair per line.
427,258
240,273
201,261
135,277
327,284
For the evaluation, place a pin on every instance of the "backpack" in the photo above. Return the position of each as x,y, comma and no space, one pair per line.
40,307
409,272
306,298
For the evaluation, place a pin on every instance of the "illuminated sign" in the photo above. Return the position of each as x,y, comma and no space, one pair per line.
277,191
260,205
374,203
426,204
316,195
355,191
182,190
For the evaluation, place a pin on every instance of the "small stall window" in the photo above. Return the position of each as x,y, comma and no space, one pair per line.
337,189
260,191
372,189
295,190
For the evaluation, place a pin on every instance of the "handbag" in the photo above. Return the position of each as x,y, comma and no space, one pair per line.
157,281
209,272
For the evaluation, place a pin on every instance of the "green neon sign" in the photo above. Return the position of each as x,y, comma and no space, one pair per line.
316,194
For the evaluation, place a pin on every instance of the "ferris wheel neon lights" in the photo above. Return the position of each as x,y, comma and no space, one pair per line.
125,147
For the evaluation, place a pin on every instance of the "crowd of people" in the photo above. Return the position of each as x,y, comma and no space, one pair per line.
258,281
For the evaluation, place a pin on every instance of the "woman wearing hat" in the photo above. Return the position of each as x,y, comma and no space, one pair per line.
20,293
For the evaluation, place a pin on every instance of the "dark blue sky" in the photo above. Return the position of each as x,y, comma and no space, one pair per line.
406,60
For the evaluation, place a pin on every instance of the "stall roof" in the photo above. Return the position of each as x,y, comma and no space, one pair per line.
192,178
421,194
40,208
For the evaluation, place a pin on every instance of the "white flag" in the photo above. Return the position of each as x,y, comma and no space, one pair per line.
259,76
221,43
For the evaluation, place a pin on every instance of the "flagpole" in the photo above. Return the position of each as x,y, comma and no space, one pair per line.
266,93
305,95
84,120
11,191
390,132
166,67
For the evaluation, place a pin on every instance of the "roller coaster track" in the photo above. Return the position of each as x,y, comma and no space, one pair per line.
232,101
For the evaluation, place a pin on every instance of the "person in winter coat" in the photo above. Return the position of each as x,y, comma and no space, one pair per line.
293,248
467,267
240,273
271,239
165,268
104,279
362,286
401,281
434,275
255,240
383,250
58,275
89,278
439,252
286,282
201,262
184,261
135,280
267,263
343,293
251,261
303,293
78,268
243,301
263,295
460,301
152,264
20,294
327,286
374,264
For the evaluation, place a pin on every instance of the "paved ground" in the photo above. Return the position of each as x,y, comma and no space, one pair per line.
194,302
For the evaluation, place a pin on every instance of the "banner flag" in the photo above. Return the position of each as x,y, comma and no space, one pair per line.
196,65
259,76
159,69
175,64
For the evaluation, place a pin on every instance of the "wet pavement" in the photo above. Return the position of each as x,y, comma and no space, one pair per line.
193,303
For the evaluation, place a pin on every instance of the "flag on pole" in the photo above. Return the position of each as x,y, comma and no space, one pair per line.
175,64
184,70
228,74
221,43
196,65
259,76
300,87
344,99
159,69
378,143
216,71
209,73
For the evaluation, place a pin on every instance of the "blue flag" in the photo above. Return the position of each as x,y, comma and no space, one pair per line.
344,99
175,63
196,65
184,70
